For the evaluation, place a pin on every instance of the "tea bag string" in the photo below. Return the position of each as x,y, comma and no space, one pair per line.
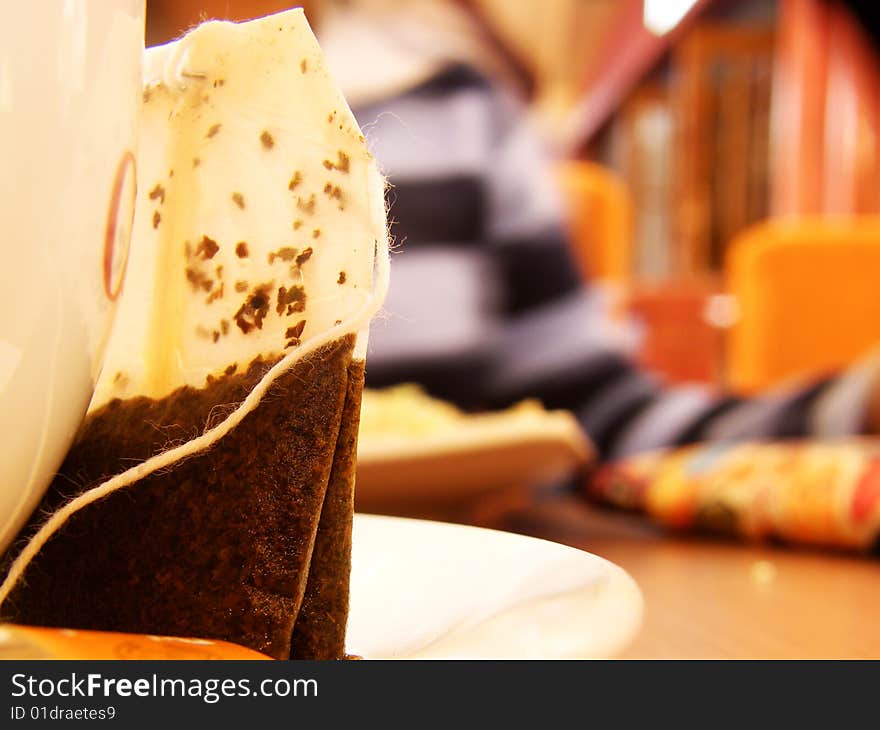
175,72
360,319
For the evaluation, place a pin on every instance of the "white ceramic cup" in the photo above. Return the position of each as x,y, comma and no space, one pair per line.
70,94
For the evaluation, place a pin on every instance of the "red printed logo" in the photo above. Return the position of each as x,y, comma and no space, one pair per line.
117,233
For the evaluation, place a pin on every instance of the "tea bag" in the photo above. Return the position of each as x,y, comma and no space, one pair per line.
209,491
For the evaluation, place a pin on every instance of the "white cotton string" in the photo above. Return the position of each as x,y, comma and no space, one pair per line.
174,70
358,321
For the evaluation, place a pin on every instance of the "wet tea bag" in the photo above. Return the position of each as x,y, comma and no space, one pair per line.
209,491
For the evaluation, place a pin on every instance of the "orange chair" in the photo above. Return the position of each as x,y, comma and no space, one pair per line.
808,295
600,219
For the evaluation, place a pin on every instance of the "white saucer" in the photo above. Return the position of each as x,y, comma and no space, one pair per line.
433,590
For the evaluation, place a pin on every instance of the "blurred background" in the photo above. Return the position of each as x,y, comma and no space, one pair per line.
678,129
712,170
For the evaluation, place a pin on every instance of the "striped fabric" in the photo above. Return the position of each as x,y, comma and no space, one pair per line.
486,306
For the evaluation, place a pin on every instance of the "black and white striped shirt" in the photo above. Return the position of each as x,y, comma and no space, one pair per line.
486,306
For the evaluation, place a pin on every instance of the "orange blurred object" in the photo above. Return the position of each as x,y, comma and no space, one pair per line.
680,343
808,294
599,211
826,113
37,642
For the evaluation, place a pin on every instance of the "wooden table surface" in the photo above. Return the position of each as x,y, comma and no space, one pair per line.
714,599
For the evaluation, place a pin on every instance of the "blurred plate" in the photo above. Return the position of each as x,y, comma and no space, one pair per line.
424,589
416,462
